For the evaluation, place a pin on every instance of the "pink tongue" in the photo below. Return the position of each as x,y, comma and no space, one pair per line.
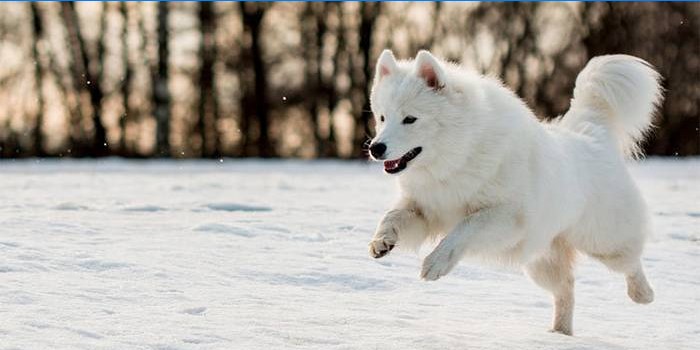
390,164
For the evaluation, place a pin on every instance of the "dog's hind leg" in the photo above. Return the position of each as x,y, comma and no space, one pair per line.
554,272
638,288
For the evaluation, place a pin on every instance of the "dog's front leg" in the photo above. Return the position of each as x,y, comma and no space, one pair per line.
486,231
403,223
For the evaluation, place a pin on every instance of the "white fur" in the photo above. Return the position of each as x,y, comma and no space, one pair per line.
494,182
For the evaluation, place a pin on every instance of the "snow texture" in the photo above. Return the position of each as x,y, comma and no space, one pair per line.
273,255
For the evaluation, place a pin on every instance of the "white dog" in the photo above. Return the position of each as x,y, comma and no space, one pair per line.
477,170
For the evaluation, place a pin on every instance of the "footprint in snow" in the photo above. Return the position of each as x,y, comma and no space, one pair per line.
195,311
70,206
690,214
236,207
143,208
684,237
224,228
101,266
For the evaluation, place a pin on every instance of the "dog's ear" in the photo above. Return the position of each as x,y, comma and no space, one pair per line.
386,65
428,68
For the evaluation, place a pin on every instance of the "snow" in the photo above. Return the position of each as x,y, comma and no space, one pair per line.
119,254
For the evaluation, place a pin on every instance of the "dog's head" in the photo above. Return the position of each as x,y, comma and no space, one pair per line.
421,109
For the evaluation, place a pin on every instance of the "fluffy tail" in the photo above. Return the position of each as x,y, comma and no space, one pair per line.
620,93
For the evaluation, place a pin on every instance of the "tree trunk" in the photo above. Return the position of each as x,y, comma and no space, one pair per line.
368,15
70,100
333,95
84,80
252,15
208,102
38,33
313,33
161,92
126,80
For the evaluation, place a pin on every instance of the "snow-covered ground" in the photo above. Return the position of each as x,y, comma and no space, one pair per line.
273,255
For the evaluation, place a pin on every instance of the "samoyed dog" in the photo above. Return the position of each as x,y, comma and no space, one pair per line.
479,173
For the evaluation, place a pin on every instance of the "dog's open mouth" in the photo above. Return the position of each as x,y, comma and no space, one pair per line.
397,165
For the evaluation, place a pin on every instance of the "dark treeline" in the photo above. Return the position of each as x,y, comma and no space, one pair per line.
291,79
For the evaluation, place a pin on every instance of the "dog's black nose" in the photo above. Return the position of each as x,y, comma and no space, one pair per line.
377,150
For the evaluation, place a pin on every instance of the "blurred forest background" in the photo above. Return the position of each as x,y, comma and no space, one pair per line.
291,79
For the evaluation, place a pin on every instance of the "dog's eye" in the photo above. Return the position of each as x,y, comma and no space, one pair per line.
381,118
409,119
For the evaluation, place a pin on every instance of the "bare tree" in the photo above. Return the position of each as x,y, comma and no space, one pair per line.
368,16
314,29
84,80
126,79
254,101
160,80
329,148
208,106
38,34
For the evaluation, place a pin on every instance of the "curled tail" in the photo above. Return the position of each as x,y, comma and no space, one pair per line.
620,93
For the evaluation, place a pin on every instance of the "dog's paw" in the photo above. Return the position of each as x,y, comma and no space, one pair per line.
563,331
382,243
439,263
639,290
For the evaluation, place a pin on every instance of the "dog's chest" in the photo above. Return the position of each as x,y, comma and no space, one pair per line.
442,209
